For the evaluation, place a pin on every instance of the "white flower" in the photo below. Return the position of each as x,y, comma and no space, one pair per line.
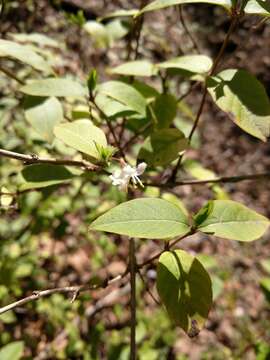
121,178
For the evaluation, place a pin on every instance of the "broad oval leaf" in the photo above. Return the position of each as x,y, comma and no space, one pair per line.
24,54
43,175
12,351
199,64
185,289
135,68
161,4
111,107
125,94
144,218
258,7
44,115
231,220
244,99
54,87
36,38
82,135
162,147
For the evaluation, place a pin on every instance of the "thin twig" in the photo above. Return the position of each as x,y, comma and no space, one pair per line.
221,179
35,159
132,264
234,21
183,23
147,288
11,75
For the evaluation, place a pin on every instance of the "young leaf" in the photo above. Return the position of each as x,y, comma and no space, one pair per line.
135,68
12,351
43,115
43,175
231,220
24,54
160,4
162,147
244,99
55,87
124,94
185,289
258,7
144,218
81,135
198,64
35,38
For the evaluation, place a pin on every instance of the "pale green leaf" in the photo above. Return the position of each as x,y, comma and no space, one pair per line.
116,30
198,64
244,99
5,200
160,4
231,220
12,351
44,116
258,7
81,135
135,68
36,38
54,87
120,13
162,147
111,107
25,54
125,94
185,289
44,175
144,218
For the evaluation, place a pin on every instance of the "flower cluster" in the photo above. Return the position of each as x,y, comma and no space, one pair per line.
122,177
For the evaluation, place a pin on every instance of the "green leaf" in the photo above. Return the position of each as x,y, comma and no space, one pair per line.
12,351
81,135
36,38
24,54
135,68
162,147
231,220
160,4
165,109
110,107
244,99
258,7
120,13
43,175
116,30
55,87
198,64
185,289
43,115
144,218
124,94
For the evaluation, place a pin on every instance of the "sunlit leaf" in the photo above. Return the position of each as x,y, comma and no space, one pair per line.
244,99
144,218
135,68
231,220
125,94
198,64
23,53
258,7
54,87
12,351
81,135
160,4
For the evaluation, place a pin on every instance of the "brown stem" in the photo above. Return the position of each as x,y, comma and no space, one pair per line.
35,159
11,75
235,18
132,262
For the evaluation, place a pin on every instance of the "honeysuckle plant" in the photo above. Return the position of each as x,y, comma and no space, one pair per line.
125,132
